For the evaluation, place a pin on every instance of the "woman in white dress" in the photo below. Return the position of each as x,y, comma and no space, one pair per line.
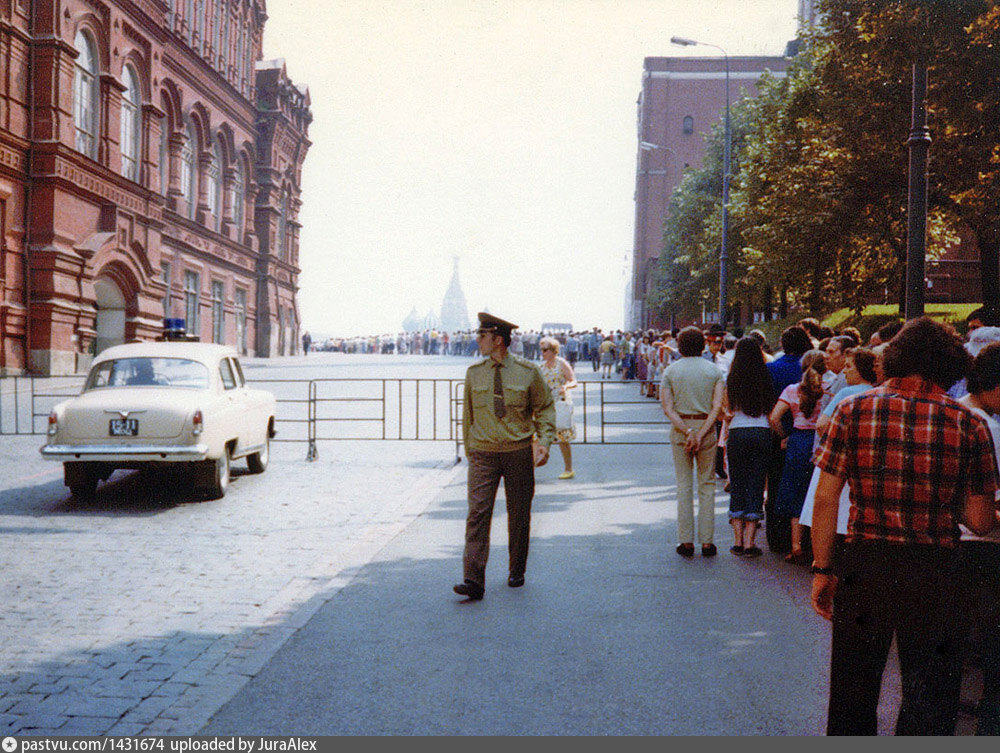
560,377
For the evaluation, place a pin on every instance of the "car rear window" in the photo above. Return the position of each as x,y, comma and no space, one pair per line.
148,372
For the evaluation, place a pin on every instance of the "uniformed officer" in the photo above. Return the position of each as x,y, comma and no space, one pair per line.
506,403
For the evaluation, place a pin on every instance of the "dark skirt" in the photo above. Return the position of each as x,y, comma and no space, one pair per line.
796,473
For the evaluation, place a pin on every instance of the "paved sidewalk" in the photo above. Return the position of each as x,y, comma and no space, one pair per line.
614,634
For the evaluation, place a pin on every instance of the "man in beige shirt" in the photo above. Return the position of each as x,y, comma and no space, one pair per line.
506,404
691,392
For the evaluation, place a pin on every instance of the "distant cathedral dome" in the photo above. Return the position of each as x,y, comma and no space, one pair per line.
412,322
454,311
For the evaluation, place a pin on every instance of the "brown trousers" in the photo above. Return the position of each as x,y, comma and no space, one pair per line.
517,470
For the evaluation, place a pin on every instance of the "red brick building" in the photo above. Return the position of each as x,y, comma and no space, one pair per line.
150,166
681,99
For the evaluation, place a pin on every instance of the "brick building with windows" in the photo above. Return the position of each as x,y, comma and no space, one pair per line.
150,167
681,99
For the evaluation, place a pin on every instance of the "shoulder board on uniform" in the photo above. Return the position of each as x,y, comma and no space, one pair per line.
520,360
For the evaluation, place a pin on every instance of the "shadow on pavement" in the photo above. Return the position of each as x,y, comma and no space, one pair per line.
612,635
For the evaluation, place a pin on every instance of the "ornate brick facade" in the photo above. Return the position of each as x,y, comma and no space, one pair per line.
150,166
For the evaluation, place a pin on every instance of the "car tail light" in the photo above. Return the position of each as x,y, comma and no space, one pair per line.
53,423
197,423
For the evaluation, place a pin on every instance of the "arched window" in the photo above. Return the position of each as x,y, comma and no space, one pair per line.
130,126
188,172
214,186
239,190
224,52
189,19
241,43
247,61
85,95
164,156
219,11
688,126
200,24
281,250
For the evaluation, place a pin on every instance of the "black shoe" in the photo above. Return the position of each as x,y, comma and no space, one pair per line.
515,582
685,550
708,550
473,591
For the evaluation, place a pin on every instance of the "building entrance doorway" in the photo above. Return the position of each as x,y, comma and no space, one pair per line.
110,314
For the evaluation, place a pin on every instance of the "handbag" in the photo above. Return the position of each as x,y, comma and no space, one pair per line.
564,415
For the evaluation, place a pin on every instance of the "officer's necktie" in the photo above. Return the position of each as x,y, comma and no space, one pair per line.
498,405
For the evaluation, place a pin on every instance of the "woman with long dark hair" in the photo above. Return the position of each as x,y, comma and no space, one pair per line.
747,402
804,402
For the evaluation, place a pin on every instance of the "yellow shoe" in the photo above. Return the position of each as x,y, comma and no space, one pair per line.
567,474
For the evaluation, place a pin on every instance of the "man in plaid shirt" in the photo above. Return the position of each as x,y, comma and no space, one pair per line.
918,463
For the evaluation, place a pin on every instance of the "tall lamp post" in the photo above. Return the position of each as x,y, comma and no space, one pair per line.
724,252
916,214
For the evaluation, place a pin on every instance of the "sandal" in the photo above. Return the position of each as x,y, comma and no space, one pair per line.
737,550
752,551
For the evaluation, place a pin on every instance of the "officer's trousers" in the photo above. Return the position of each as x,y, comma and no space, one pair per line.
517,470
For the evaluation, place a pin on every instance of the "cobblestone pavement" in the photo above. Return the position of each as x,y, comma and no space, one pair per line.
145,610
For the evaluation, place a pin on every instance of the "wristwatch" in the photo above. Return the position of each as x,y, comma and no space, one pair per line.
816,570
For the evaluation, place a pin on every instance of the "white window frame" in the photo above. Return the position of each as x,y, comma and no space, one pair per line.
164,156
192,302
200,24
241,319
189,169
214,177
167,269
189,18
131,126
218,312
224,52
239,201
86,101
282,235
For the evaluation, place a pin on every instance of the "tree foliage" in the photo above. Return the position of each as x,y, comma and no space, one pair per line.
819,190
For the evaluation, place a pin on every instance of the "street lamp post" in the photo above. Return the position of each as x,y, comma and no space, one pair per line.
724,251
916,213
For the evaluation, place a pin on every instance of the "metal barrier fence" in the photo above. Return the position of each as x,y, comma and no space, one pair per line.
326,410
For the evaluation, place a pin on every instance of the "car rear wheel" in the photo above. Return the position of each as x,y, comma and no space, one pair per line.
257,461
81,478
220,480
84,489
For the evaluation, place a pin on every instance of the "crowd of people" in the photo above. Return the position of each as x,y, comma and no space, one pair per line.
879,460
622,347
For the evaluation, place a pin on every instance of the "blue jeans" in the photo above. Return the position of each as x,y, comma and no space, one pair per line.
748,450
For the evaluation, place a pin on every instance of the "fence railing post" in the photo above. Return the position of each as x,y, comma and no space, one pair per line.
312,453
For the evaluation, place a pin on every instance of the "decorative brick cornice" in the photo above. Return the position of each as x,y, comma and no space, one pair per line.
13,159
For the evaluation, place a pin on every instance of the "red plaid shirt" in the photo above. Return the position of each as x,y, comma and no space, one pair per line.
911,455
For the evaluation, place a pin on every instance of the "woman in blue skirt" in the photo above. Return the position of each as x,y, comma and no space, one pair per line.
803,400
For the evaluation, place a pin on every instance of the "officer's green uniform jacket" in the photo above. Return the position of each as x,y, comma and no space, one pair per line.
528,399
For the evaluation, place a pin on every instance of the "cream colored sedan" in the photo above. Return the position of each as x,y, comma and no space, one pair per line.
167,405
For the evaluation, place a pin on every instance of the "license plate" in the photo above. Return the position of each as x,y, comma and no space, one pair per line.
124,427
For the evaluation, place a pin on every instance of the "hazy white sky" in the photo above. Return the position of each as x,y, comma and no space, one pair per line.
502,132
